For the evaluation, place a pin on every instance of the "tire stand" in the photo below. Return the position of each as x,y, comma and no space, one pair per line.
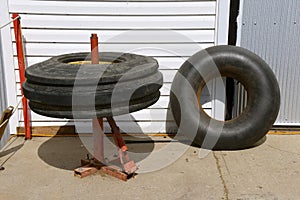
91,166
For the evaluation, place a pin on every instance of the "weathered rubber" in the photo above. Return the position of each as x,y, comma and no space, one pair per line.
258,79
84,112
57,71
55,88
62,95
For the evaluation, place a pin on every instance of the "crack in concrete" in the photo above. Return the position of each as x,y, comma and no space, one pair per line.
226,192
282,150
227,168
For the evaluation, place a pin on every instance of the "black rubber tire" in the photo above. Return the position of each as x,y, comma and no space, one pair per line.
50,84
57,71
62,95
246,67
99,111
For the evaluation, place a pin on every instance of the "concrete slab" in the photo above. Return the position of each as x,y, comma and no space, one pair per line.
42,169
270,171
31,173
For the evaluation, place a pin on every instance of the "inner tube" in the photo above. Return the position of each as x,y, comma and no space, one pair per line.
263,100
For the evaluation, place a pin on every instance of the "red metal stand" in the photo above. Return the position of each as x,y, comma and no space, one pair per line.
97,123
94,49
21,63
129,166
90,166
98,136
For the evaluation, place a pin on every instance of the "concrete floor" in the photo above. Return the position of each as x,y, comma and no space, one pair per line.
42,169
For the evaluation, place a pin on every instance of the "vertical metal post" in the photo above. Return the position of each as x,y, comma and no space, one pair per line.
90,166
97,123
98,139
94,49
21,63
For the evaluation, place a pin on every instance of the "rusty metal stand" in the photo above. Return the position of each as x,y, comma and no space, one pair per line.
127,169
91,166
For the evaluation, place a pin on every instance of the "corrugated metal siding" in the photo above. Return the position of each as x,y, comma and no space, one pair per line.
57,27
271,28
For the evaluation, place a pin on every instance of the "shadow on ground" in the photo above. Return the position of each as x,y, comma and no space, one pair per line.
66,152
11,150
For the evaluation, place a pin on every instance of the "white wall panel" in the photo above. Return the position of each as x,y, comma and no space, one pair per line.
51,28
7,64
114,8
52,49
83,36
117,22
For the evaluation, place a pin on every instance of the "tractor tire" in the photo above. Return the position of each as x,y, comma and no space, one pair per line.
59,70
52,85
